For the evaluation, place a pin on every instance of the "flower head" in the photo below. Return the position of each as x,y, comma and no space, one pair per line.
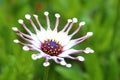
52,44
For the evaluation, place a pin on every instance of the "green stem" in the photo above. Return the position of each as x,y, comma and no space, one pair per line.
46,72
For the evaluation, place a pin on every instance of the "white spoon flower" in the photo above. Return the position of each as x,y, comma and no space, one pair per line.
52,44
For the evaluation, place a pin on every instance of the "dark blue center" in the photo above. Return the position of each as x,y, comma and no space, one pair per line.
51,47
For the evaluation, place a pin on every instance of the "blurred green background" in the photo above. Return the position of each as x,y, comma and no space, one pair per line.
102,17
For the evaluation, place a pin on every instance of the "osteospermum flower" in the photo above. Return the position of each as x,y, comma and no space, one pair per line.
52,44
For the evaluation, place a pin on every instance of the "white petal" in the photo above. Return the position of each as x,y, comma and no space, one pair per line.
69,45
67,52
36,44
63,38
42,35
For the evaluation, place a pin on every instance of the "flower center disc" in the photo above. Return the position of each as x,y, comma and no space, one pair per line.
51,47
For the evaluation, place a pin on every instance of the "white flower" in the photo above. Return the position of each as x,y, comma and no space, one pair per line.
52,44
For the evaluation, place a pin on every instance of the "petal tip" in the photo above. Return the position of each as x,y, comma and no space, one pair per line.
16,41
88,50
80,58
46,64
57,15
63,63
75,20
27,16
68,65
89,33
34,57
20,21
82,23
46,13
69,20
35,15
14,29
26,48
